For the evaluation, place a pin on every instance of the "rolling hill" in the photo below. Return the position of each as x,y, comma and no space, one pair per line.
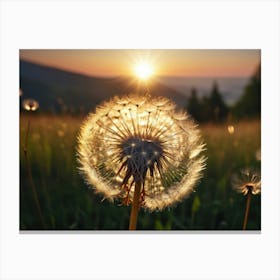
59,91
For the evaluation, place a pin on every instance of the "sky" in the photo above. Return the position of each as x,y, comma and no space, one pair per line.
164,62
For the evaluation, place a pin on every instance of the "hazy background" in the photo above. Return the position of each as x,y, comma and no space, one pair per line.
77,80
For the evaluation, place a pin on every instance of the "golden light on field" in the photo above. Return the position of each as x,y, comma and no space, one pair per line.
143,70
230,129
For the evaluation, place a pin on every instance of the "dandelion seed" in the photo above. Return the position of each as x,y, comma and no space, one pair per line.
141,141
30,105
248,181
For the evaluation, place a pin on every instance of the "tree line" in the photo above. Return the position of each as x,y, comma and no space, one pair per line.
212,108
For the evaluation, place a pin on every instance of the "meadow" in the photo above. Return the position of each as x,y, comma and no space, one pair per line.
67,203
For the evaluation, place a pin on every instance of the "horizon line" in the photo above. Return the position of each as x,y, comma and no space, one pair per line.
123,75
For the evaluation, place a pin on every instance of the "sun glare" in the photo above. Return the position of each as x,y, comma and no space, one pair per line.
143,70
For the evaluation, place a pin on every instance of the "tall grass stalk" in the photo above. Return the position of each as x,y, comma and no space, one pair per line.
30,178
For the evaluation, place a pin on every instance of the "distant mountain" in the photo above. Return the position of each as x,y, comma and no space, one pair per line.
60,91
231,87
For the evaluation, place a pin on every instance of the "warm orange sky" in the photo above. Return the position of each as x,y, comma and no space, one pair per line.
203,63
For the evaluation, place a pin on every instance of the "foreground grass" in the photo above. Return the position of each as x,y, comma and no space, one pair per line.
68,204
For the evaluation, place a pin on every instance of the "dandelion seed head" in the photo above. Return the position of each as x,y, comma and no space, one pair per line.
141,139
30,105
248,180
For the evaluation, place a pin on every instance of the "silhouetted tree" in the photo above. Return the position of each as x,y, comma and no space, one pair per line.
249,105
207,109
218,108
194,107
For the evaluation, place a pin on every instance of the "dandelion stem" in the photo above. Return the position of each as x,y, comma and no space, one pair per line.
247,209
30,178
135,206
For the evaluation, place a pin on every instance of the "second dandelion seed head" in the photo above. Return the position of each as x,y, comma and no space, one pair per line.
248,181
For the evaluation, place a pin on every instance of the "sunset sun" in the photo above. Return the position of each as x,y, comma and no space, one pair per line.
143,70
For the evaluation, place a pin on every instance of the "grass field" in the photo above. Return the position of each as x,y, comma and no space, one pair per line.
67,203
